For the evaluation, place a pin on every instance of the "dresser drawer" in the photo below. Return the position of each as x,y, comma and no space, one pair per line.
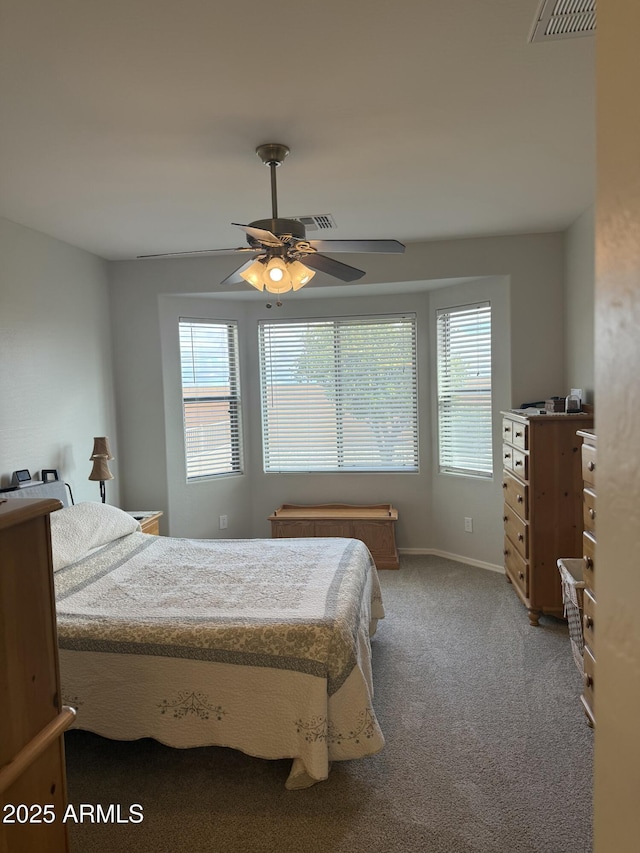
521,436
507,430
589,511
517,568
521,464
517,530
588,619
588,680
516,494
507,456
589,464
589,551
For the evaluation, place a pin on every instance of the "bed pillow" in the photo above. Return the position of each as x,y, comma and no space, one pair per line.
76,530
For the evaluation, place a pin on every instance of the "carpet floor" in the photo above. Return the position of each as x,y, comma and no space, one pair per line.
487,748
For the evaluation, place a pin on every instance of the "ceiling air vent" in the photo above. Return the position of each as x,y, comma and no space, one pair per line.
317,222
563,19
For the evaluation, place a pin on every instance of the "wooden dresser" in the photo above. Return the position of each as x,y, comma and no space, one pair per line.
373,524
542,485
32,765
589,558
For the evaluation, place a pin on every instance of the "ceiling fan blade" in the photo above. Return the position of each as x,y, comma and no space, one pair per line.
389,246
235,277
332,267
261,234
201,252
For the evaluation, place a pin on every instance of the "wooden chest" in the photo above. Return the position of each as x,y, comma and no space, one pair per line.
373,524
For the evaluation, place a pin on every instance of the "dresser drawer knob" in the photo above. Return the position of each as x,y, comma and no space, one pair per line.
507,429
519,498
518,434
588,622
507,456
588,561
506,552
521,575
518,462
504,485
520,537
588,681
505,518
592,513
591,466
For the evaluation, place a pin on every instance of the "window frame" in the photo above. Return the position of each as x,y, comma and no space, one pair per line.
340,411
233,399
449,466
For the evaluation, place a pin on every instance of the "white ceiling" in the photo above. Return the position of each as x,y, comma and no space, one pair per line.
129,127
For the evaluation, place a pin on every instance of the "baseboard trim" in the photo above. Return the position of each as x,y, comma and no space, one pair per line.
479,564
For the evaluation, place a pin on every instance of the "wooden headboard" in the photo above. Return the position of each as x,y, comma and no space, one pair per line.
54,489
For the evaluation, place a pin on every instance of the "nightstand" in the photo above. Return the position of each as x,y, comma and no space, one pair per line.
149,521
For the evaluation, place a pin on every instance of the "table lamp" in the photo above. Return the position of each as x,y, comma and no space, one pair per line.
100,457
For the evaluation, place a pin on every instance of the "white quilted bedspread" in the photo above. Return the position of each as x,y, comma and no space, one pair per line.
259,645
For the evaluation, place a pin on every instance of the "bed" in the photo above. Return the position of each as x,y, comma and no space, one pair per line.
258,645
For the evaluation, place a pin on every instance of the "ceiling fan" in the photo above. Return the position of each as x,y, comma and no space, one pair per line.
280,256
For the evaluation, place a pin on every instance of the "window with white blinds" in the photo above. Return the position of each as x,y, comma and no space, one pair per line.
464,390
339,394
210,398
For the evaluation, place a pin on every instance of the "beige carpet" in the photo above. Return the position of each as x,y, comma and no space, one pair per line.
487,747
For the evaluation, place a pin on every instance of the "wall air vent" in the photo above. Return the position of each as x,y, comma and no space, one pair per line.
317,222
563,19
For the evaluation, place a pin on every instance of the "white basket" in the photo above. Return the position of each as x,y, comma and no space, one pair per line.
572,595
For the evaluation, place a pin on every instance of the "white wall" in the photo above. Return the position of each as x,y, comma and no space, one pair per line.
431,506
579,304
194,508
453,497
56,388
57,359
410,493
429,503
532,319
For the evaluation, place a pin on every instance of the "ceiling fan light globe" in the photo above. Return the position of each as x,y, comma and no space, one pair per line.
300,275
276,276
275,271
254,275
281,286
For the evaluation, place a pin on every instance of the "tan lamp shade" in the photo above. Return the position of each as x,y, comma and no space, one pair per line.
100,457
101,448
100,470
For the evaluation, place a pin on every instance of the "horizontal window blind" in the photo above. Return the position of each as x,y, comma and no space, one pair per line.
211,398
464,390
339,394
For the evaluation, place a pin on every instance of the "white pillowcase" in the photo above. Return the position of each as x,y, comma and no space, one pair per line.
78,529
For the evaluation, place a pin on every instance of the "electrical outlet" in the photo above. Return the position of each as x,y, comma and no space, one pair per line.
468,525
223,522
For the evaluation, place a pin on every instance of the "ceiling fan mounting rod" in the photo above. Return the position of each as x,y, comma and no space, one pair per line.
274,191
272,155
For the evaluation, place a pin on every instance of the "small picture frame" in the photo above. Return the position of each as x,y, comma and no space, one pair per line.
20,478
